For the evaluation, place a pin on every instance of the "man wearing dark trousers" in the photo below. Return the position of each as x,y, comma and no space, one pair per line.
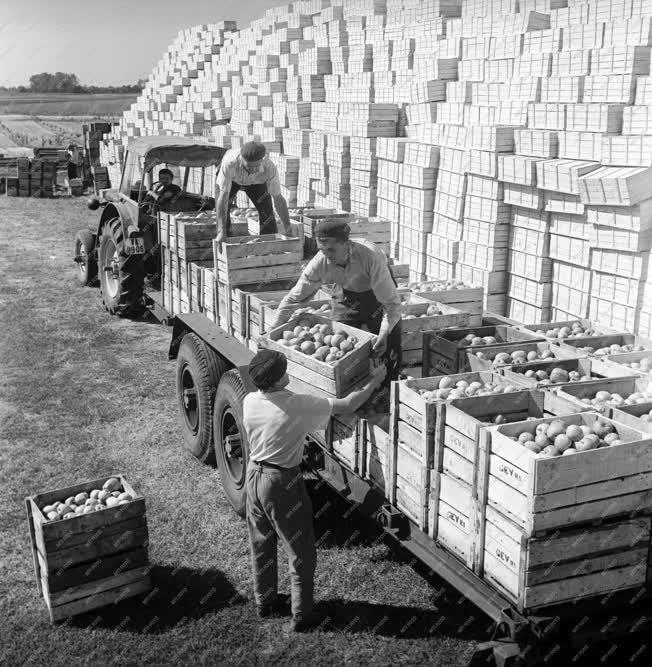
251,170
276,423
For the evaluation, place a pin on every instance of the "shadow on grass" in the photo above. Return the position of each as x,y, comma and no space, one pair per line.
177,595
400,622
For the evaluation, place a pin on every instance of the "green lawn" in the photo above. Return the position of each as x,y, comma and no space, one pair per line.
83,394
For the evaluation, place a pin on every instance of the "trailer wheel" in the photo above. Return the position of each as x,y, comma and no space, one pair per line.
198,372
231,446
85,258
122,277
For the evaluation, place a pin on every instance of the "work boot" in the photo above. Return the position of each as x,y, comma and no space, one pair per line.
304,622
278,607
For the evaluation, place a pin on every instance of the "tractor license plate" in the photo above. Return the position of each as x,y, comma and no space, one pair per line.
134,247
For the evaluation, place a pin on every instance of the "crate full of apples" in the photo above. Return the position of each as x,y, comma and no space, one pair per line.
551,472
523,352
89,545
569,329
610,393
607,344
322,353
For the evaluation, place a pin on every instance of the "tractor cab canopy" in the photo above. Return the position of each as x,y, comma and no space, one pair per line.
177,151
188,160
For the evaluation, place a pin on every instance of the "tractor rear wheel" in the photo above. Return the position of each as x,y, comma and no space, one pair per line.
231,446
199,370
86,258
122,277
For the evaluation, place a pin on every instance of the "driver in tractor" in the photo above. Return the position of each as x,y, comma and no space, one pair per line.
251,170
166,192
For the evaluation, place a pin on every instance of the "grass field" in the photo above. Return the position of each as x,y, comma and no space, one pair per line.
62,104
83,394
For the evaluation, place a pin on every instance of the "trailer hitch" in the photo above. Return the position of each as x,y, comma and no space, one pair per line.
393,521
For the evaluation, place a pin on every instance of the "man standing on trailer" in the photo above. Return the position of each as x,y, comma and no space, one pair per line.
276,422
365,291
251,170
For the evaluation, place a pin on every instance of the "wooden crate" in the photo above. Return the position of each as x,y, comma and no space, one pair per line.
90,560
566,566
596,370
458,433
444,352
637,416
488,361
268,309
591,344
542,328
581,394
343,436
335,379
412,329
373,452
257,259
541,494
628,358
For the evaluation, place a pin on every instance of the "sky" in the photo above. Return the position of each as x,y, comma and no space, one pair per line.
103,42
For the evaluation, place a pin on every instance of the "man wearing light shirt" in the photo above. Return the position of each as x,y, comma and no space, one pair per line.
368,290
251,170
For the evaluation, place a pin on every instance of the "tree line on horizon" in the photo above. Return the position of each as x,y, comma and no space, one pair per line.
62,82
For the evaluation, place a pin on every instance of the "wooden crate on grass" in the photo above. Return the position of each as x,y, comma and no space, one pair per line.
445,352
335,379
90,560
582,394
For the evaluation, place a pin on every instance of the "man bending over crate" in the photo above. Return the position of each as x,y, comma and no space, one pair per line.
250,169
276,422
365,291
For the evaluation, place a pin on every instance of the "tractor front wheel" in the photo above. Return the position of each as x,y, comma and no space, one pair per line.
85,258
122,276
231,446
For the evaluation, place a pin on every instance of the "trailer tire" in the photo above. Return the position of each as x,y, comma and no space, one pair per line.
86,258
199,369
232,454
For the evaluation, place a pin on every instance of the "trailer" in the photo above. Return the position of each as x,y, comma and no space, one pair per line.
211,381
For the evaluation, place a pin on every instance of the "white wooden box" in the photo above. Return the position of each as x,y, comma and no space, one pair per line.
626,151
483,163
621,59
530,291
484,186
621,263
481,233
489,210
484,257
562,90
570,225
562,175
620,239
498,139
635,218
571,275
544,116
616,315
536,143
606,118
618,289
519,169
613,88
447,227
494,282
560,202
571,63
533,267
580,145
637,120
570,250
530,241
442,248
523,195
616,186
536,220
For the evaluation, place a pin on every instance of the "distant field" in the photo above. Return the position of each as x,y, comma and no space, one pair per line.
54,104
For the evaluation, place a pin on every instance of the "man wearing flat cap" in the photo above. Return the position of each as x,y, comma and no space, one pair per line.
276,423
368,290
251,170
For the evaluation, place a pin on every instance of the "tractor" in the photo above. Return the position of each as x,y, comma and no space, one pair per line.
123,251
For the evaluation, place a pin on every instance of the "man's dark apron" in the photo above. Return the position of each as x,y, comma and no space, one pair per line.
363,308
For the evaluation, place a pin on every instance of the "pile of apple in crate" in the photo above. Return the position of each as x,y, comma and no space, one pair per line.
526,451
89,545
